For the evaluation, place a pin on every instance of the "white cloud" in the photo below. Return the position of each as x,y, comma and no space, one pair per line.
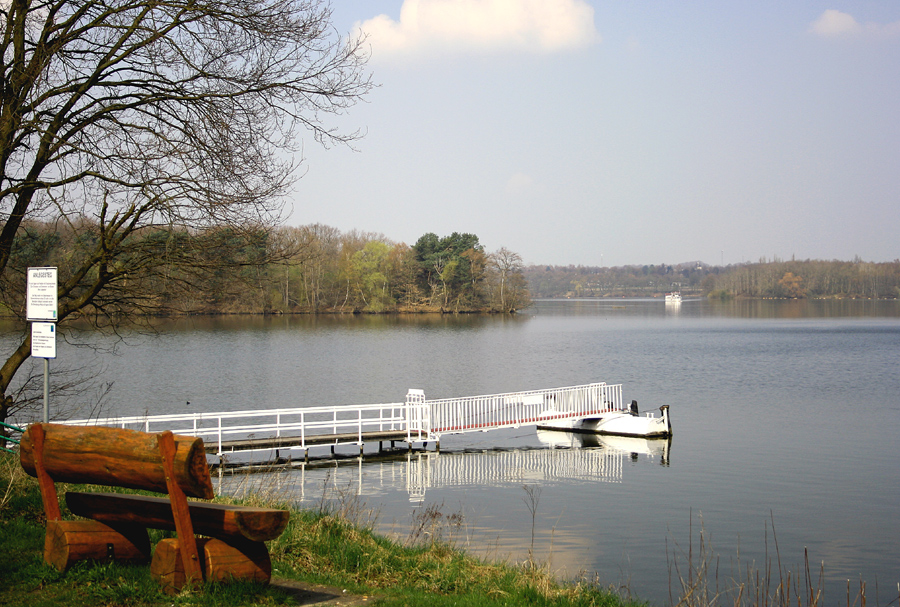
538,26
835,24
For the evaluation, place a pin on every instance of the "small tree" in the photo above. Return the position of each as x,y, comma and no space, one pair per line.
450,267
369,274
791,285
510,288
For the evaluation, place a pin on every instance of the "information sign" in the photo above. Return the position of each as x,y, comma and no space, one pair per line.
41,299
43,339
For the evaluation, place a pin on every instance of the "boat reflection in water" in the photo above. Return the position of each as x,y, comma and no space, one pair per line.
566,456
656,449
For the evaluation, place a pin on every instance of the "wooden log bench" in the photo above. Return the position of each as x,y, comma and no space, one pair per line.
163,463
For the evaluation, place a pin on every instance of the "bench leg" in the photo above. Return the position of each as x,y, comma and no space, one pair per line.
67,542
167,567
221,562
247,561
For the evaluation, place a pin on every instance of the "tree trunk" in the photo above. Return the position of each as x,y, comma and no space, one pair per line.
8,371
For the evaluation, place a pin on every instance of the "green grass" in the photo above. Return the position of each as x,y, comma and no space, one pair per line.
322,547
334,551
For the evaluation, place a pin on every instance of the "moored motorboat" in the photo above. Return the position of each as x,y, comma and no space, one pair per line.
627,422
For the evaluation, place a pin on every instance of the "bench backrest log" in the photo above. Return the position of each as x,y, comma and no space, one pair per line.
164,463
114,457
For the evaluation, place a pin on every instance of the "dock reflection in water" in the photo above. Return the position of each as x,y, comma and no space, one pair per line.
565,457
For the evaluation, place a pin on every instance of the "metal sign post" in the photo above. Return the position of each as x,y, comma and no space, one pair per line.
42,307
43,345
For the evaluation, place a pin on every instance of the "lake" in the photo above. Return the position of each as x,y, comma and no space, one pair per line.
785,417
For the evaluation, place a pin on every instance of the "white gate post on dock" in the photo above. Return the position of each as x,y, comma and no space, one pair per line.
415,411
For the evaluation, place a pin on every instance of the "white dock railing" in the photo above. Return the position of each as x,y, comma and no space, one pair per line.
478,413
417,419
351,423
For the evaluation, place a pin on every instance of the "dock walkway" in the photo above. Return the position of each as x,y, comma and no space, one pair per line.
416,422
290,442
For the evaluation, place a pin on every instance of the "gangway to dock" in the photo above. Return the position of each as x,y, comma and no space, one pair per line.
415,422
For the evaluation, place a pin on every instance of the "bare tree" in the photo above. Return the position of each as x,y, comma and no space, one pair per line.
511,287
124,121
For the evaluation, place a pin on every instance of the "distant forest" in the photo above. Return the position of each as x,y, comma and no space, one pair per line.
306,269
765,279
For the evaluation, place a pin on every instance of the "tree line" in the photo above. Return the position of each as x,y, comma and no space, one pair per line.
808,278
621,281
766,279
307,269
327,270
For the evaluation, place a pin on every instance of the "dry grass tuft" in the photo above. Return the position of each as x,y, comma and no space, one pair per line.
694,577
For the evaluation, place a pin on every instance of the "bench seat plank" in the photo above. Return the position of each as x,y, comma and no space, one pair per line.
223,521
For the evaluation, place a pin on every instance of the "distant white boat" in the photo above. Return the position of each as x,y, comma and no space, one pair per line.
626,422
673,298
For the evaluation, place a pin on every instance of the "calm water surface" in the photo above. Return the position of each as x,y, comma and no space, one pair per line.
786,414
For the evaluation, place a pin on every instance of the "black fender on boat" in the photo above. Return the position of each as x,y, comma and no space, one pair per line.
662,411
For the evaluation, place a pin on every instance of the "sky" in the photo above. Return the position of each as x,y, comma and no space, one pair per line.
606,132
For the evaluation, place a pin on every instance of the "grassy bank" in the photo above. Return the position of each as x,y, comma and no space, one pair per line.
329,555
321,548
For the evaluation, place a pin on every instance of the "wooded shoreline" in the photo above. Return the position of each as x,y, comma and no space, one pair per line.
775,279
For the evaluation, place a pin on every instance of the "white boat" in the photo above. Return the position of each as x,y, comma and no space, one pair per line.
626,422
673,298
